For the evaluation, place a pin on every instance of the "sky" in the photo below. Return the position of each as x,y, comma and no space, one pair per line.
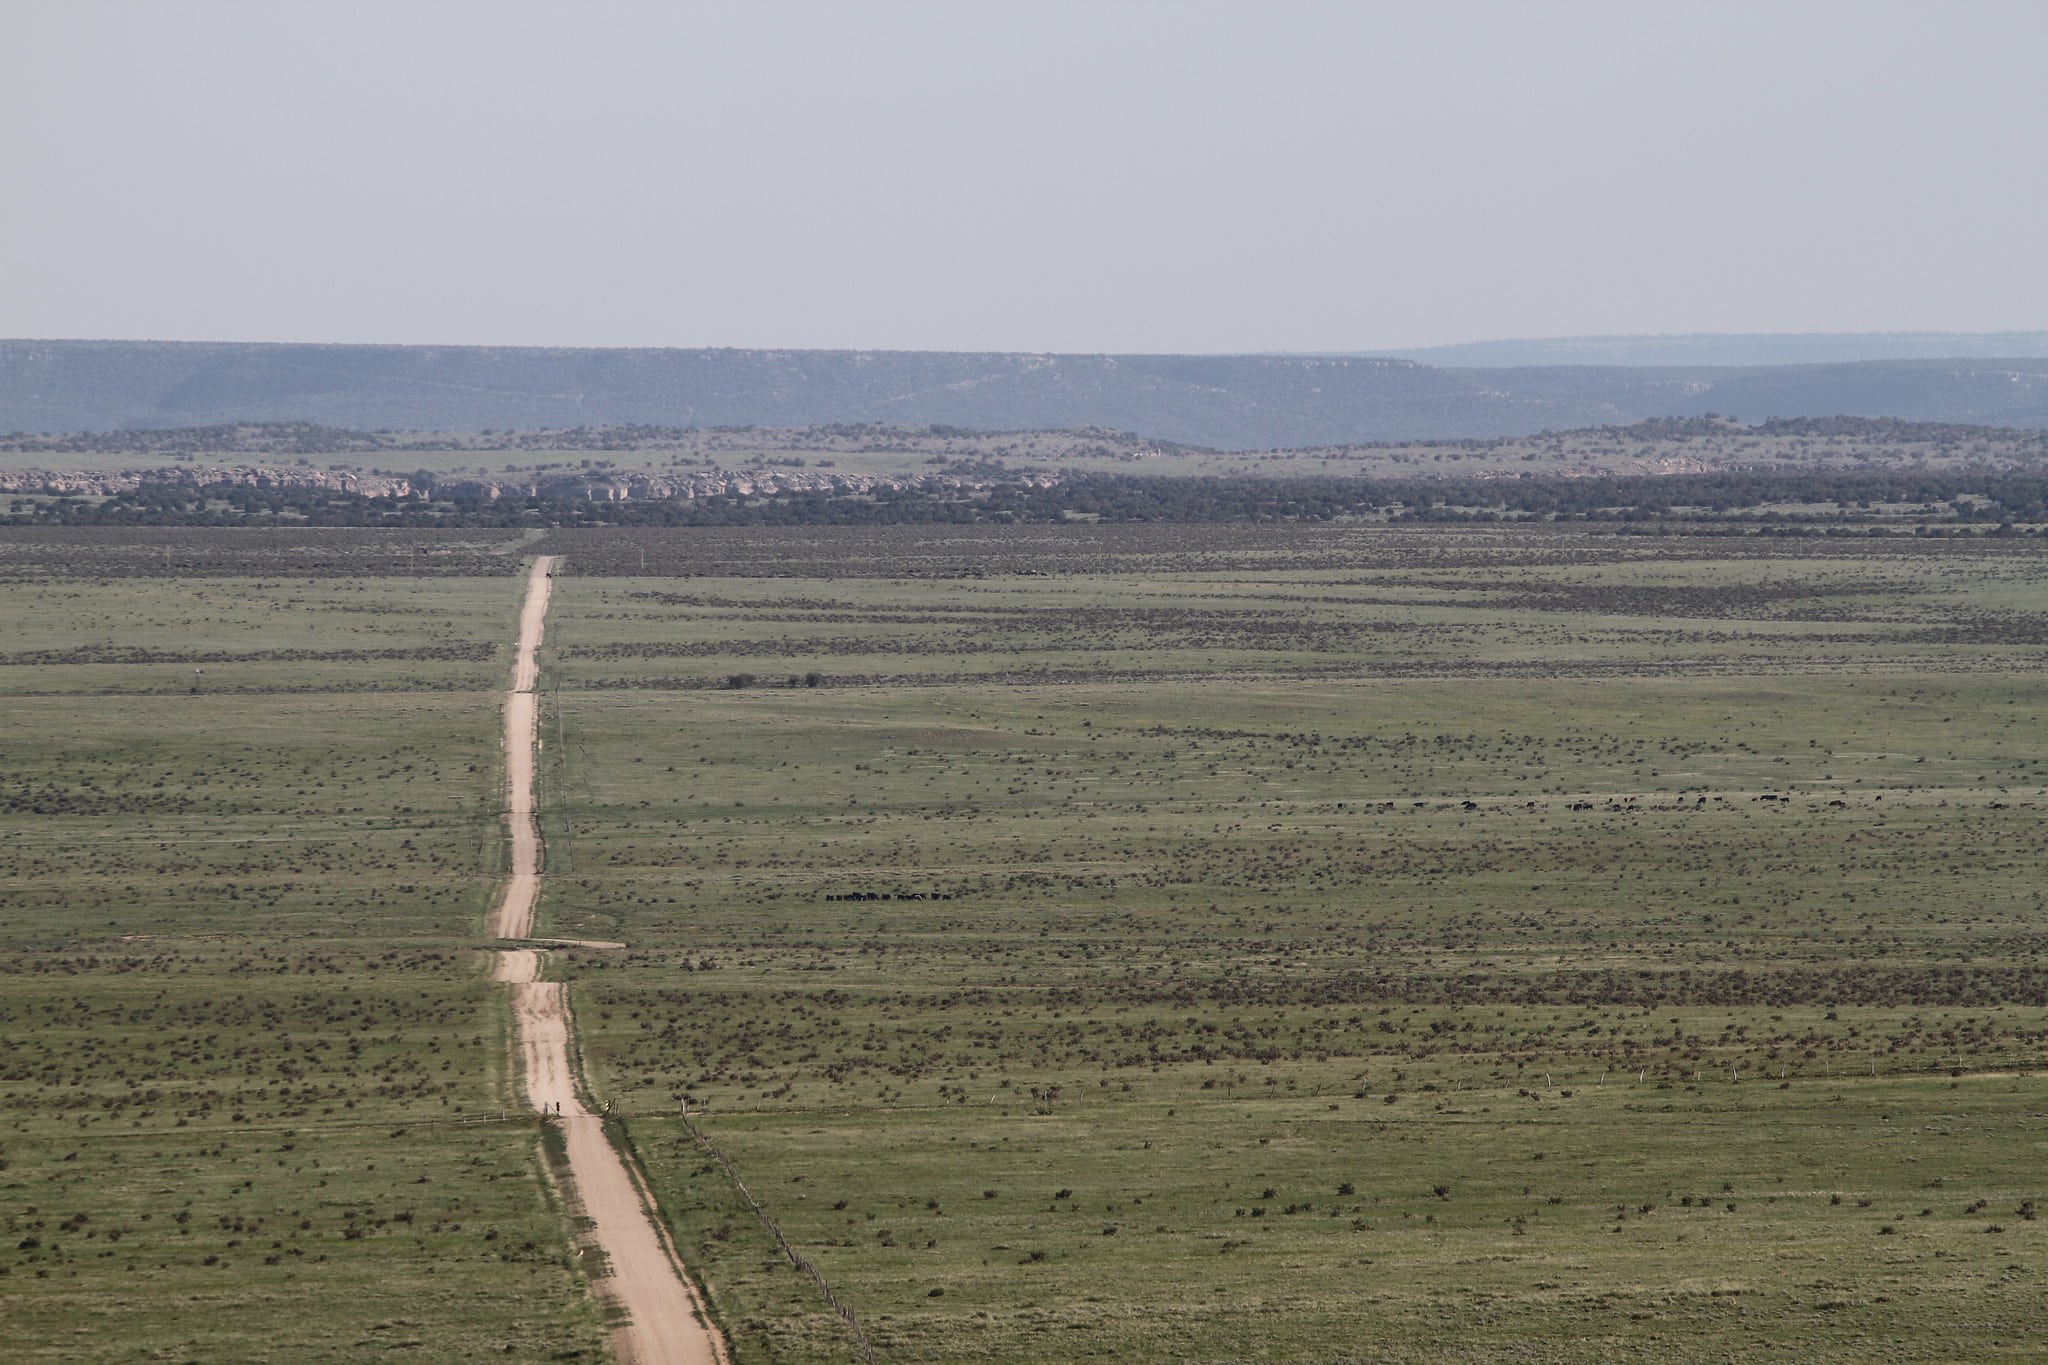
1110,176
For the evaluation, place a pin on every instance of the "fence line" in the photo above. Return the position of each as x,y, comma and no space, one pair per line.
796,1258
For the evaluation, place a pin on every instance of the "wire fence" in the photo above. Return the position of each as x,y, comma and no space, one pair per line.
796,1258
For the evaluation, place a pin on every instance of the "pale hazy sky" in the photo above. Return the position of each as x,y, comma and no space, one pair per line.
1105,176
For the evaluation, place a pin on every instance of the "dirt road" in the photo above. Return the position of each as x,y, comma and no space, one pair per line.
665,1328
513,917
516,964
664,1323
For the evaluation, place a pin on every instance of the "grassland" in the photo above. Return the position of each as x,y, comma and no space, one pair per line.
1332,944
253,1102
1299,944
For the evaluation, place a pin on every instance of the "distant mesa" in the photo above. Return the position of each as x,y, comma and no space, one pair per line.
1247,402
1738,350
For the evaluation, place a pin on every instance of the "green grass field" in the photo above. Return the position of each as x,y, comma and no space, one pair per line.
253,1104
1675,909
1327,944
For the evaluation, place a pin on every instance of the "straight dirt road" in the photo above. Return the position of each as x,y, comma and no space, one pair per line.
665,1324
513,917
